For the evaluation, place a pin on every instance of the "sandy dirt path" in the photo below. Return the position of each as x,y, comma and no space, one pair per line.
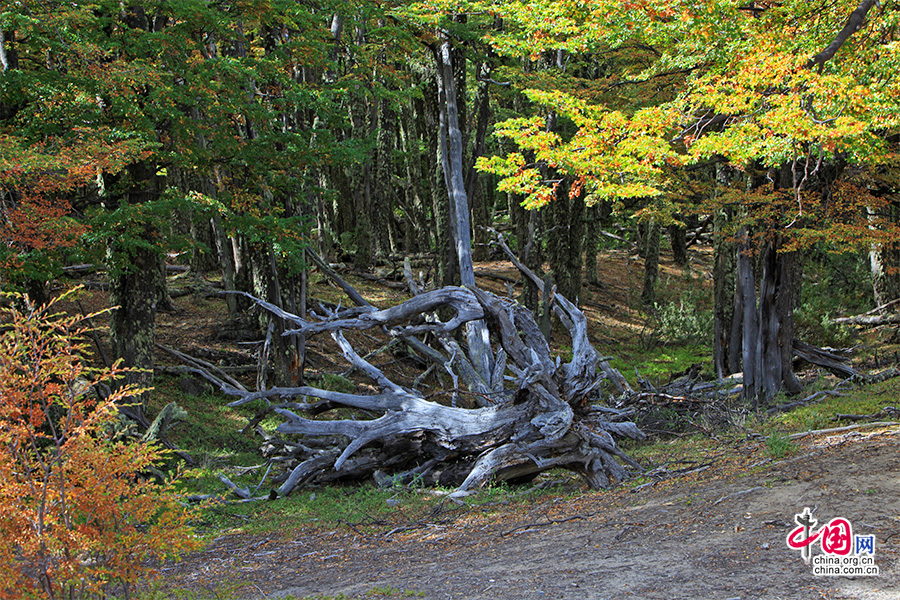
709,536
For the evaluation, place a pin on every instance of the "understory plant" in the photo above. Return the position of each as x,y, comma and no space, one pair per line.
78,516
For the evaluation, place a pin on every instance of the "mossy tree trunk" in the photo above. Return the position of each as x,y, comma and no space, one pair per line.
651,263
137,280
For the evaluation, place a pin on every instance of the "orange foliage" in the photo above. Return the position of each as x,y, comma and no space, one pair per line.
77,518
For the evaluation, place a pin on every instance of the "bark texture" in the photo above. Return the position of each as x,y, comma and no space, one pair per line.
539,412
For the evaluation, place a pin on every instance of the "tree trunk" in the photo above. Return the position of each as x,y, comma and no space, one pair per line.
591,242
565,240
678,239
267,285
383,202
749,318
884,262
137,283
481,210
768,325
527,226
726,354
451,145
651,263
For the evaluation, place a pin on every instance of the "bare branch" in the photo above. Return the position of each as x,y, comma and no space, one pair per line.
854,23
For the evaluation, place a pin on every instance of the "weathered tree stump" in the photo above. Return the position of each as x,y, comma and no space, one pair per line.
533,414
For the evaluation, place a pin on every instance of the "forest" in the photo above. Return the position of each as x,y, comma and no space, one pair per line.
256,148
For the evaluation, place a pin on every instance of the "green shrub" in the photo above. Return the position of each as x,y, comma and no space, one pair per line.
779,445
683,322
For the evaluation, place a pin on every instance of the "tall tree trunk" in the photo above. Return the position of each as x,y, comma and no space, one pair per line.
267,286
726,356
447,266
749,318
884,262
383,202
773,350
678,239
481,210
9,61
226,262
137,284
591,243
768,325
360,183
565,239
451,145
417,233
527,227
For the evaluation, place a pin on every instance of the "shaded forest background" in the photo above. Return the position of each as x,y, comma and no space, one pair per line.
263,138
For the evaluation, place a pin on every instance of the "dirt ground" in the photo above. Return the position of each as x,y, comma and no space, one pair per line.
712,534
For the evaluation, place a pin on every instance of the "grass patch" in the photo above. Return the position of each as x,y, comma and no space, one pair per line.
659,363
779,445
864,400
212,427
366,508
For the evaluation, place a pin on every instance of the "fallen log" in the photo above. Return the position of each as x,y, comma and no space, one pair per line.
539,419
869,320
830,361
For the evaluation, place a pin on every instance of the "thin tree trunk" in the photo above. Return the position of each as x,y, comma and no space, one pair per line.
749,325
724,352
451,144
481,211
383,202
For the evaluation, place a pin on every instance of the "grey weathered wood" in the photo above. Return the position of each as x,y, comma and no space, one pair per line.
565,310
451,146
538,421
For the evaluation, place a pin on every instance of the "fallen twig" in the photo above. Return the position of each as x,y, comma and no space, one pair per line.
736,494
887,411
804,434
820,395
200,366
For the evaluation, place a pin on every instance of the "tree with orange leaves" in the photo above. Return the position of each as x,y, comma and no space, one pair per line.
77,515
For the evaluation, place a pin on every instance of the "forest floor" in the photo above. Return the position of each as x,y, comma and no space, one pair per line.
717,532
